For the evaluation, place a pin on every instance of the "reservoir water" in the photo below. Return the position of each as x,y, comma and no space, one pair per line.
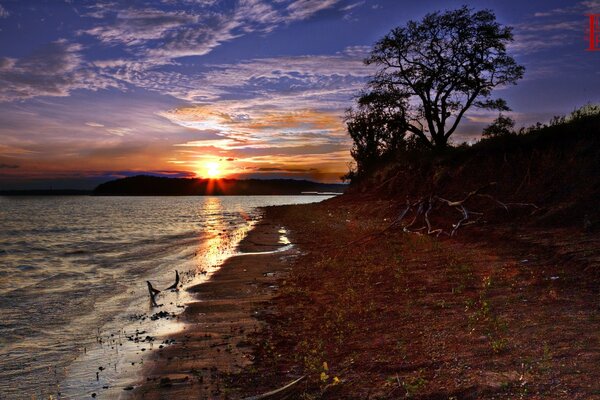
73,274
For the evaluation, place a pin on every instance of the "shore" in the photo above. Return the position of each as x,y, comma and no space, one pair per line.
499,312
214,344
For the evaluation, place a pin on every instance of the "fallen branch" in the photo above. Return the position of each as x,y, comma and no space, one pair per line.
426,205
153,292
288,391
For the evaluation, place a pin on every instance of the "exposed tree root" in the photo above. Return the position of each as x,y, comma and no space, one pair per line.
422,209
424,206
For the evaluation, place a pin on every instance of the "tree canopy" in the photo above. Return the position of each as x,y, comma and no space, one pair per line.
432,71
502,125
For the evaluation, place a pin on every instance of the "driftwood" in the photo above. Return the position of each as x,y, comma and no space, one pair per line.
153,292
174,286
425,205
422,208
289,391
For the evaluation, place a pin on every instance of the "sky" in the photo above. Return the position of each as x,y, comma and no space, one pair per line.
96,90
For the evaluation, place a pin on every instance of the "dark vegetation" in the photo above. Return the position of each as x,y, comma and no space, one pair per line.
555,166
144,185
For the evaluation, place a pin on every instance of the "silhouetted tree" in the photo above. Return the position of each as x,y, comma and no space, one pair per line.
377,127
437,69
500,126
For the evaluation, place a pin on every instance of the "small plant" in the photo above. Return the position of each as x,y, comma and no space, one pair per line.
546,361
325,379
499,345
414,385
482,317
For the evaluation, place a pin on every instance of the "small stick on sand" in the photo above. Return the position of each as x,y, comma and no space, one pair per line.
285,392
153,292
174,286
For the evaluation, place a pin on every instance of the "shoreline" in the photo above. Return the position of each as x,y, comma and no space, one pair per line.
214,342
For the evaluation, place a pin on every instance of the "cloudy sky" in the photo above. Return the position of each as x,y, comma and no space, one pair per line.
91,90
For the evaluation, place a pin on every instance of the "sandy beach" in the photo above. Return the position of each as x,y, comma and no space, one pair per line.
214,343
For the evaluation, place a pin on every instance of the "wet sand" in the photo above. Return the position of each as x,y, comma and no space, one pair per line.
214,343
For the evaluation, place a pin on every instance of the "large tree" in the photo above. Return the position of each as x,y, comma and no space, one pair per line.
442,66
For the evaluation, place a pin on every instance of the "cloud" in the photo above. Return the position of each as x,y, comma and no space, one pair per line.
162,36
99,10
153,38
8,166
52,70
323,82
528,43
352,6
551,26
259,114
308,143
94,124
3,12
278,108
554,28
303,9
133,27
14,151
263,140
278,125
579,8
119,131
285,169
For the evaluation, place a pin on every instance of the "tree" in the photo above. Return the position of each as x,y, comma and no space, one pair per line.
500,126
377,127
438,68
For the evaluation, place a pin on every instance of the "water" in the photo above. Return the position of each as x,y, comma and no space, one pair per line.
72,281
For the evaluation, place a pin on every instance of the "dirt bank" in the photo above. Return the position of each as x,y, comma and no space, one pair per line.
496,312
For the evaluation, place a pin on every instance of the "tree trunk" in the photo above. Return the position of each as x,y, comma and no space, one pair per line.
440,142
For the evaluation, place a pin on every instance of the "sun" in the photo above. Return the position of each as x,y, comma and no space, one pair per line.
213,170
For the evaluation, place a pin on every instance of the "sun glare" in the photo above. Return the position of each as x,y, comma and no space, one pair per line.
213,170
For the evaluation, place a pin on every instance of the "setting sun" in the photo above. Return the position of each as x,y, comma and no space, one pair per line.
213,170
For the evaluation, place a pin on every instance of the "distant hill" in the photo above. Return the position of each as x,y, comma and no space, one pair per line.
144,185
46,192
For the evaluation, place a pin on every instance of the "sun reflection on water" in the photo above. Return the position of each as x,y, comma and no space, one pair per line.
221,235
